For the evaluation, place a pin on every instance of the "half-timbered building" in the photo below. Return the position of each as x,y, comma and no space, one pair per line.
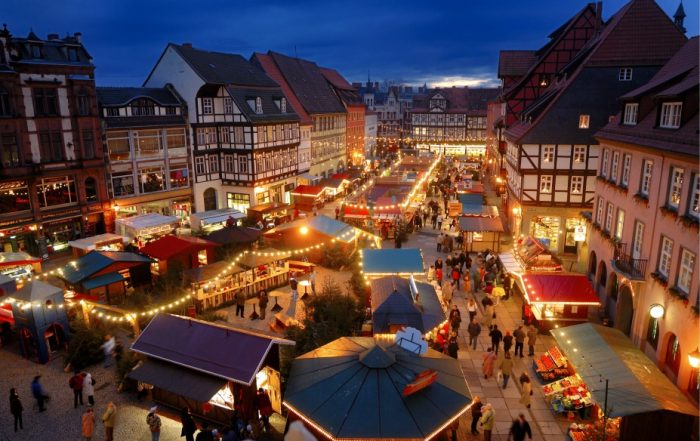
245,136
451,121
147,143
52,170
551,155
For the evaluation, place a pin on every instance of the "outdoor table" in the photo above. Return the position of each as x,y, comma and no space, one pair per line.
276,307
305,284
254,301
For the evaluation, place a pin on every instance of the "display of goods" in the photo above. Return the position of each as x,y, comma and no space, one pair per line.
547,362
557,356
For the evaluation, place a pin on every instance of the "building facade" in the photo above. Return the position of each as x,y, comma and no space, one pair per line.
245,138
370,133
146,140
451,121
355,119
52,169
644,236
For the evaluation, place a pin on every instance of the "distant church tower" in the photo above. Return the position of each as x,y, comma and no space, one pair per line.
678,17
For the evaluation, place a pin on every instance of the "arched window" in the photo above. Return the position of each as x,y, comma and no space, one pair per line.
612,286
653,332
209,199
592,263
90,190
143,107
602,274
673,354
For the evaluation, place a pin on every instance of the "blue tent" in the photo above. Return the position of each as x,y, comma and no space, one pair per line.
392,261
394,304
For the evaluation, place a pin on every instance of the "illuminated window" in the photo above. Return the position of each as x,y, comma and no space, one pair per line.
685,272
548,154
647,169
546,184
584,121
207,106
620,225
694,201
576,184
664,267
579,154
675,187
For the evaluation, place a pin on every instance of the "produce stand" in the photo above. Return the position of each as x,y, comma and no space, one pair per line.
551,366
568,394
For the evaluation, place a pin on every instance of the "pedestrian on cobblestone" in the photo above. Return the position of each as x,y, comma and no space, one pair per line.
476,413
108,419
76,383
496,337
531,340
38,393
447,289
452,345
108,349
526,390
519,336
471,308
474,330
489,363
488,419
455,319
89,388
189,427
440,240
520,429
262,302
507,341
153,421
87,423
439,221
16,408
240,304
506,367
456,274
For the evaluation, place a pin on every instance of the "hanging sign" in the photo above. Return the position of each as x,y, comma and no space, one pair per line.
580,233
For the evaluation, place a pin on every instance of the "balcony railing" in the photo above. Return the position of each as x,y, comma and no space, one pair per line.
634,268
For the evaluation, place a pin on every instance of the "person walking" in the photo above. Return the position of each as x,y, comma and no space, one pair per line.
474,330
264,405
489,363
471,308
205,433
89,388
440,240
507,342
519,429
76,384
447,289
434,219
294,285
439,221
462,259
452,345
531,340
240,304
153,421
506,367
38,393
496,337
87,423
108,349
108,419
189,427
455,319
476,413
488,419
526,390
262,302
16,408
519,336
456,274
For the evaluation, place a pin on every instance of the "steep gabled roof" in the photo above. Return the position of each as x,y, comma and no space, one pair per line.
308,84
345,91
121,96
268,65
459,99
515,63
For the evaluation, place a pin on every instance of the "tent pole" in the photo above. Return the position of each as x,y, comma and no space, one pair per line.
605,411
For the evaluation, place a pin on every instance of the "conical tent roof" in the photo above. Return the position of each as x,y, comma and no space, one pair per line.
37,291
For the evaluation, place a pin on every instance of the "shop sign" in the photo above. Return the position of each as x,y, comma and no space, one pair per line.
580,233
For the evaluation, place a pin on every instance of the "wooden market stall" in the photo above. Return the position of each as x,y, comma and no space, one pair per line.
19,264
212,220
101,242
267,268
306,197
481,233
145,227
213,369
182,252
269,215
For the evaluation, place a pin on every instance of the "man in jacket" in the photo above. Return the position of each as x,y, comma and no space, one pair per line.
153,421
474,330
76,383
108,420
240,304
488,419
496,337
519,429
519,335
38,393
531,339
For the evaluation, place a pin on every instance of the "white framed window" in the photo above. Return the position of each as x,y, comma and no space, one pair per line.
631,112
577,184
675,187
664,267
243,164
604,163
694,201
626,164
579,154
225,135
685,272
229,164
213,164
625,74
609,217
283,105
614,166
599,211
584,121
200,167
548,153
620,224
258,105
238,135
637,240
671,115
228,105
546,184
647,169
207,106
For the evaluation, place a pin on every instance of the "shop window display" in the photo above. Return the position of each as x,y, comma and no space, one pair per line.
546,230
90,190
151,179
123,183
56,191
14,196
179,178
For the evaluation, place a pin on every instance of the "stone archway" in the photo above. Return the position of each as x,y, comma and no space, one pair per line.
624,312
210,199
672,355
592,262
611,295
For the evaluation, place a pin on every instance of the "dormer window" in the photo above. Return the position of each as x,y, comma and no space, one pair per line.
36,51
625,74
72,54
584,121
207,106
258,106
228,106
671,115
283,105
631,111
142,107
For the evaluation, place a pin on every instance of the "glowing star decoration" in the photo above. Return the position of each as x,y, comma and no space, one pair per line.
411,340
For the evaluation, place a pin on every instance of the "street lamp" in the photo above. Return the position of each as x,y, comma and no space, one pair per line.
657,311
304,230
694,358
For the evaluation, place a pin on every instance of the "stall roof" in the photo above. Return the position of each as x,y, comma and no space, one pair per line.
272,207
208,272
178,380
392,261
480,224
472,200
510,263
561,288
216,216
103,280
308,190
332,183
481,210
145,221
36,291
222,351
320,224
234,235
169,246
352,389
17,258
96,261
90,243
635,384
393,304
250,260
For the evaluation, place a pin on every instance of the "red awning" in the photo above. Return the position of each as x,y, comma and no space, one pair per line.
308,190
558,288
170,246
355,212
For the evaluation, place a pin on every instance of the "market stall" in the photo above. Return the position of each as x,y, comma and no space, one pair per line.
179,253
101,242
213,369
558,298
334,186
265,269
637,401
269,215
145,227
551,366
481,233
212,220
306,197
377,263
19,265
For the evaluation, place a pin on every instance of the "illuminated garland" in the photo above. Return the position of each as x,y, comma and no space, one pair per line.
132,315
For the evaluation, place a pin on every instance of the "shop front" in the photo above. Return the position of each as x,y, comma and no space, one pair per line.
19,235
176,203
558,229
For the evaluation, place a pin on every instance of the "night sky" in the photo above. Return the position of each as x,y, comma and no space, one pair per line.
413,41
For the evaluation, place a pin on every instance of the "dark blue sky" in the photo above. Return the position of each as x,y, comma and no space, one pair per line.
412,40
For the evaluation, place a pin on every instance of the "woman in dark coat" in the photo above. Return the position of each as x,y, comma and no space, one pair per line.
16,408
189,427
476,413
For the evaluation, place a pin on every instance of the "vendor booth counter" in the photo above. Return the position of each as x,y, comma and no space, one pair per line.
213,220
101,242
19,265
145,227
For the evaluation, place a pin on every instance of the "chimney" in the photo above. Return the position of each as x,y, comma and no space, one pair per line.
189,45
78,37
598,15
52,37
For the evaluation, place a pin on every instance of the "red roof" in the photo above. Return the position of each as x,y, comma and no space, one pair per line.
270,68
573,289
308,190
336,79
349,211
170,246
515,63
